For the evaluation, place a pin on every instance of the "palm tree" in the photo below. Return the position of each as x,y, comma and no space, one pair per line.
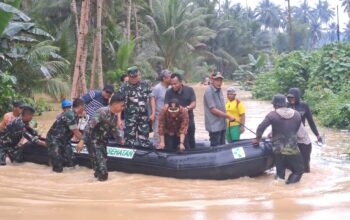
346,5
324,12
79,83
316,31
268,14
303,12
332,33
178,29
347,32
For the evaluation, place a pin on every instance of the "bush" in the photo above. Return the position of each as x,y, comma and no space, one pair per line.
265,86
333,110
291,70
324,76
7,92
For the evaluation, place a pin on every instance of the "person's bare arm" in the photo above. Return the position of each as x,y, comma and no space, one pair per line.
219,113
191,106
241,129
77,133
153,108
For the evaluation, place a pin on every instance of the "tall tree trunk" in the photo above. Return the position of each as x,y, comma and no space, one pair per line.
93,66
134,10
99,42
73,8
128,20
79,83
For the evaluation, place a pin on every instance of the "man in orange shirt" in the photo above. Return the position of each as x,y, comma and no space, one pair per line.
10,116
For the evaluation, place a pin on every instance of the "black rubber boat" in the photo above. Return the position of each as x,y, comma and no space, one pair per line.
223,162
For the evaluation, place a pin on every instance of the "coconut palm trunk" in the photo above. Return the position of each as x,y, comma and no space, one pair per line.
128,20
99,42
134,10
93,66
79,84
73,8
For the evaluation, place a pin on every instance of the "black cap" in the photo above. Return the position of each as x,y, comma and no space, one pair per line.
176,101
279,100
109,88
18,104
133,71
28,109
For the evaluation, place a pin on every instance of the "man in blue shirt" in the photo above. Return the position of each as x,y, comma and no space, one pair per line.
96,99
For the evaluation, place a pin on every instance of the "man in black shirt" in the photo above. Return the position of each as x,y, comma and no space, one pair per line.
187,99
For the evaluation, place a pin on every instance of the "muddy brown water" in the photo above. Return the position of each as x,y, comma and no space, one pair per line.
31,191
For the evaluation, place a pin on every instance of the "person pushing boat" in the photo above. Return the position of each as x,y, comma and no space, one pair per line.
101,126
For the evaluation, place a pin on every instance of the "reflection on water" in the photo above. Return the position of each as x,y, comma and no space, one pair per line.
30,191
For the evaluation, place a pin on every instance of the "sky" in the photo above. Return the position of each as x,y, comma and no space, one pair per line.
343,17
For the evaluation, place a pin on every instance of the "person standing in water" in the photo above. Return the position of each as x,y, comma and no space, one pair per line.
10,116
285,124
103,125
304,144
60,134
14,132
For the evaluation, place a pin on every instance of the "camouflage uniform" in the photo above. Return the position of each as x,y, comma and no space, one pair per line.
136,114
96,134
58,140
10,138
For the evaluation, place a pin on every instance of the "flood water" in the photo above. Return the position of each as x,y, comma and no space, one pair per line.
30,191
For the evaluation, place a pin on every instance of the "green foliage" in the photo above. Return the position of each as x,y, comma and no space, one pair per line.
333,110
323,75
265,87
7,9
7,91
291,70
334,67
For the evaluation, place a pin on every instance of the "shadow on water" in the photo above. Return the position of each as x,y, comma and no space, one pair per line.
30,191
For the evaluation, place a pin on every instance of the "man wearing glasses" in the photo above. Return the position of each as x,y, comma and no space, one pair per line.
137,94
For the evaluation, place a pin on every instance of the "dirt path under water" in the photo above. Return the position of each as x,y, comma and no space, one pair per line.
30,191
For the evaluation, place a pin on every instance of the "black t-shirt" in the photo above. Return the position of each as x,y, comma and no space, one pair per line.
185,96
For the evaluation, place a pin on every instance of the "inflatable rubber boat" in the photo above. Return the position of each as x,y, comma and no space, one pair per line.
228,161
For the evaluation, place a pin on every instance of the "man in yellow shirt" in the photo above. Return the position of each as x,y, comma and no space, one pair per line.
236,109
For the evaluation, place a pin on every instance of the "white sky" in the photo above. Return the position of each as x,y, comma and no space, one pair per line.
343,17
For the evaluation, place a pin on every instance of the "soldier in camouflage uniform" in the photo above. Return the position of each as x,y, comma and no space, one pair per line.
137,94
97,132
60,134
11,136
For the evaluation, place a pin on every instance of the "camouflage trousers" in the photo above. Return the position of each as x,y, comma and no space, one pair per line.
98,158
60,154
14,153
136,131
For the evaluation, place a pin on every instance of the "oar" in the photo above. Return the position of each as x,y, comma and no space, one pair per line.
243,126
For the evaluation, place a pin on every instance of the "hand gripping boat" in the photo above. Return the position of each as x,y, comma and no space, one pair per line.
228,161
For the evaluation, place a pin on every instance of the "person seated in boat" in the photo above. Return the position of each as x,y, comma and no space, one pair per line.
101,126
60,134
173,126
236,109
10,116
285,124
14,132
